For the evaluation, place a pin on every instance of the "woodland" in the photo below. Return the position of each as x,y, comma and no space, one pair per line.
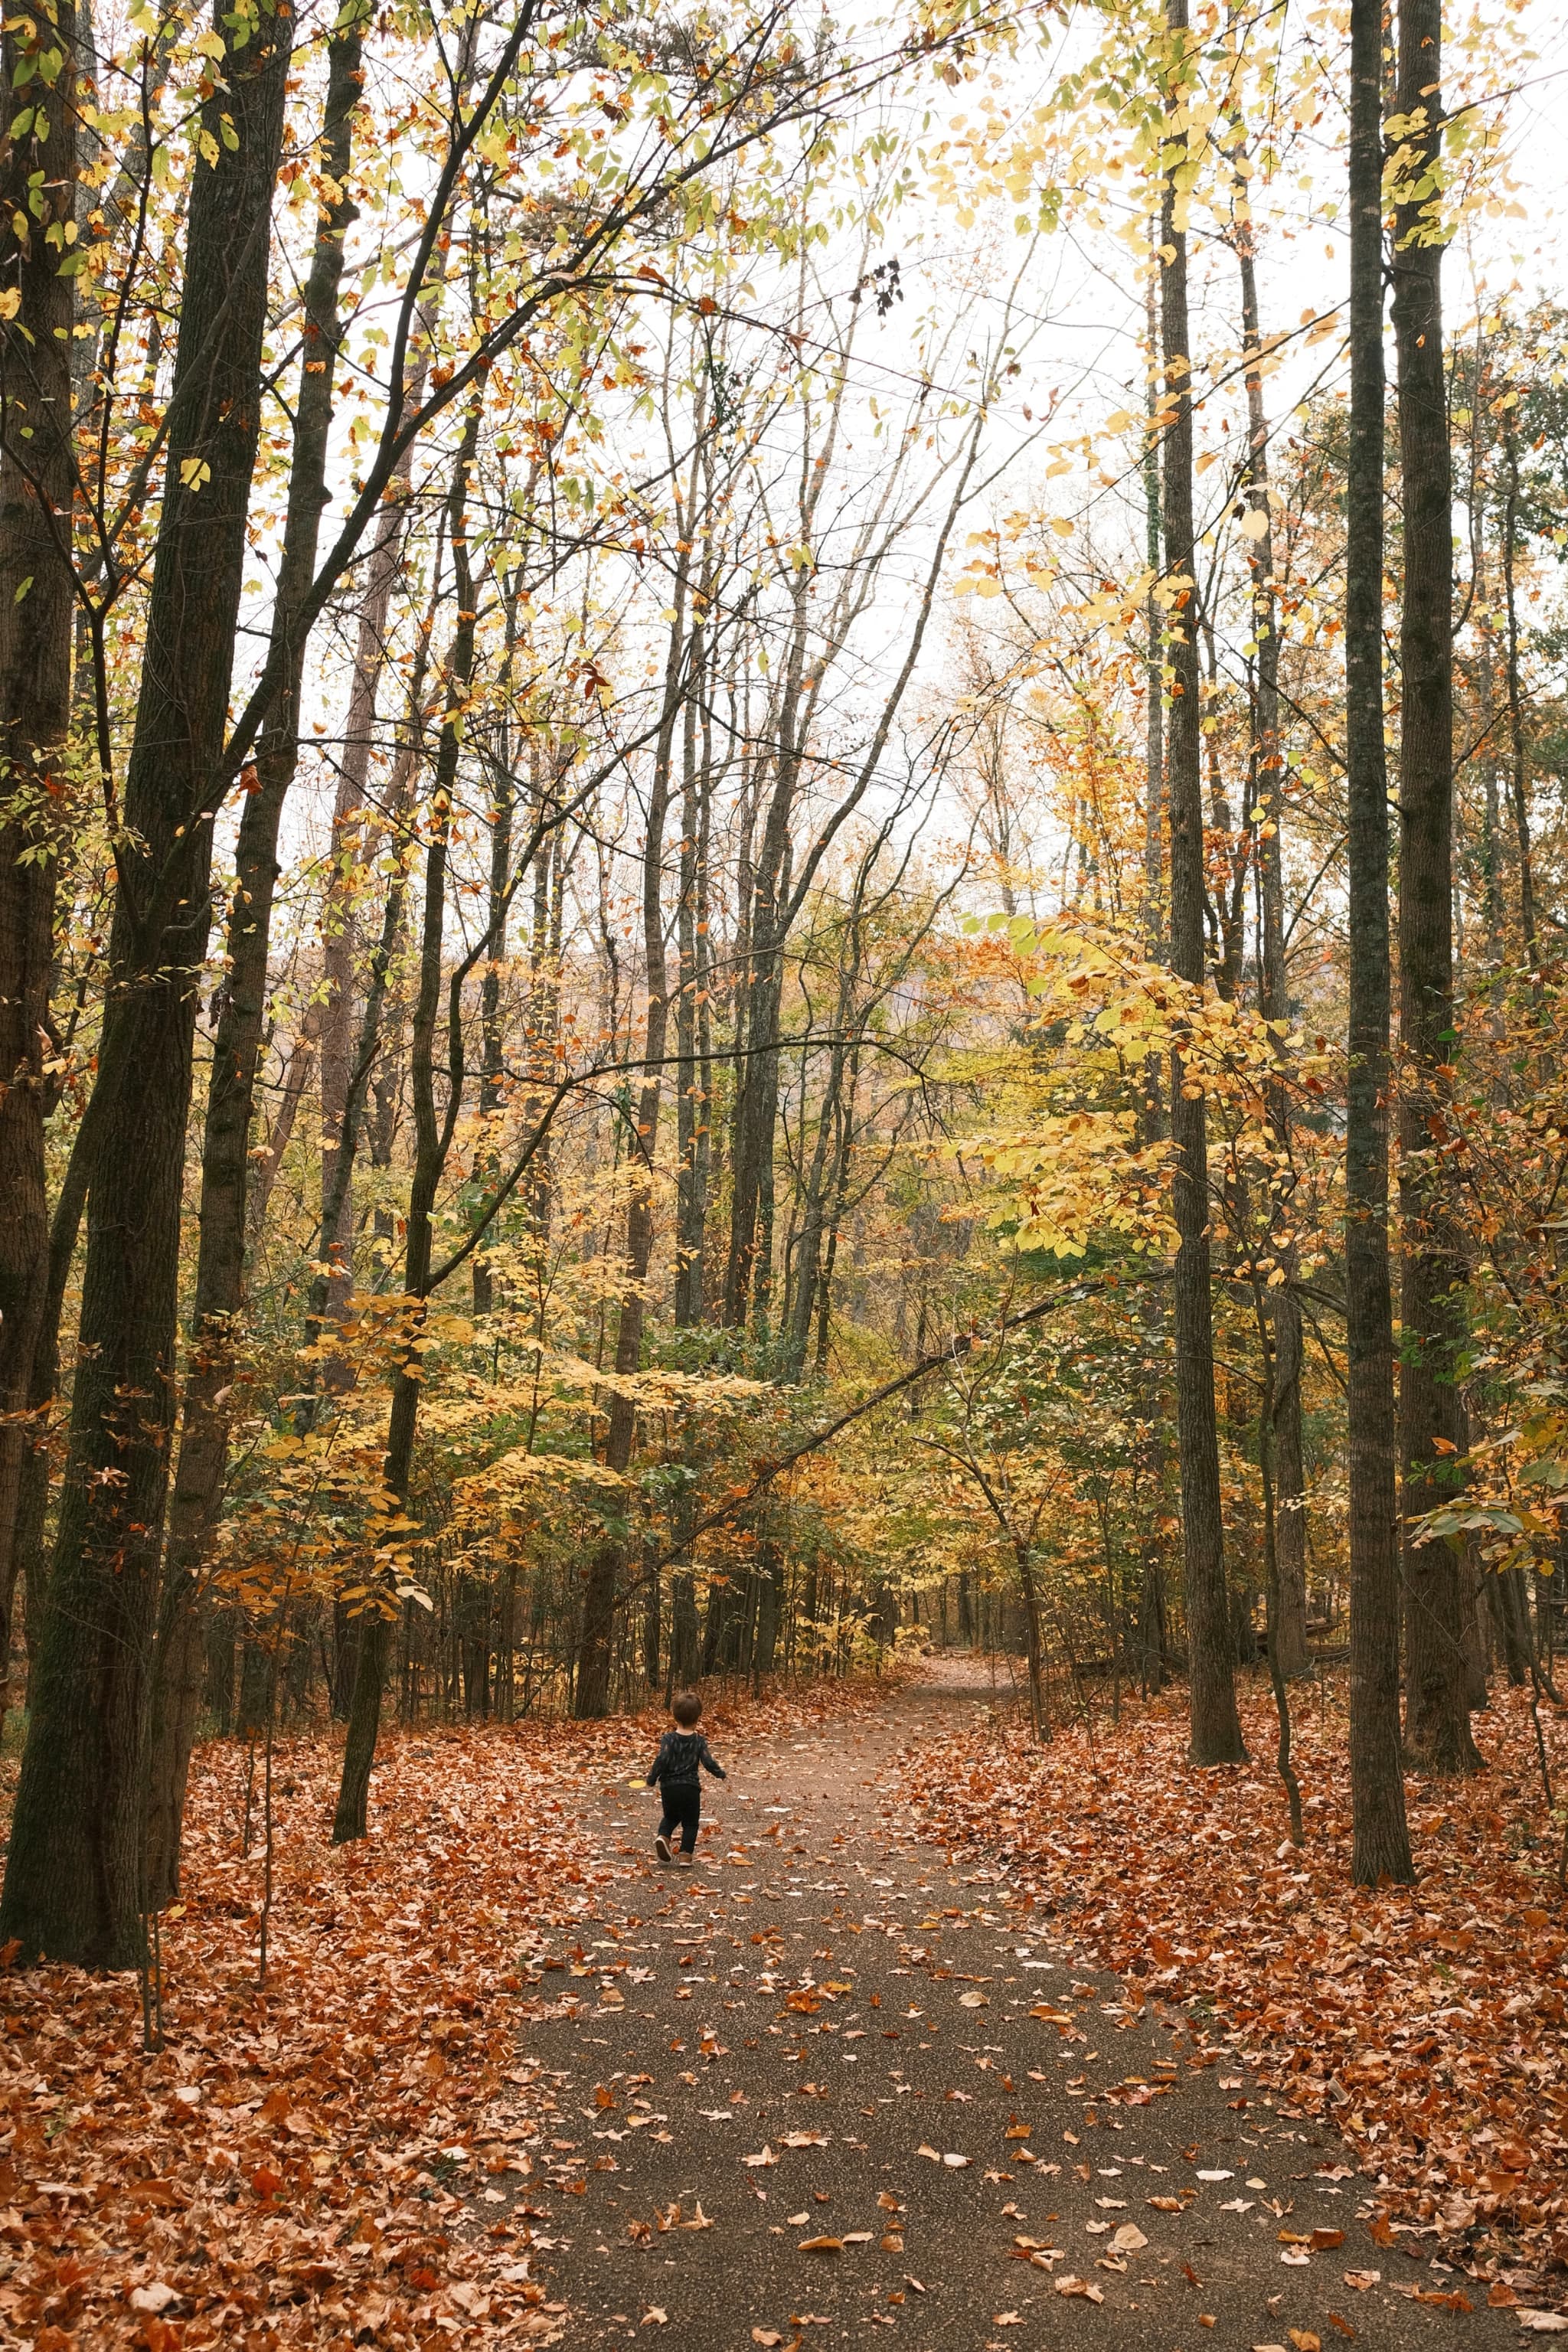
784,878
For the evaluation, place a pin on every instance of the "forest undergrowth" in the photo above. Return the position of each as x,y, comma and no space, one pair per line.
314,2162
1425,2022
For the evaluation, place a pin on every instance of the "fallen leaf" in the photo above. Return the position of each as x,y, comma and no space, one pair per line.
973,2000
1129,2239
155,2298
1305,2341
1362,2280
956,2163
1069,2283
821,2245
656,2316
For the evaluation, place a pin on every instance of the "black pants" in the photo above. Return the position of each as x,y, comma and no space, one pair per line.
682,1811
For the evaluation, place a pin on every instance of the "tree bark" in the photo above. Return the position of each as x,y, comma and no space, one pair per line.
1519,778
37,614
74,1884
1216,1725
339,930
1381,1839
210,1380
1436,1722
1288,1626
433,1141
596,1655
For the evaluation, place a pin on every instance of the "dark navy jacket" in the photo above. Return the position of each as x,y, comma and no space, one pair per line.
679,1754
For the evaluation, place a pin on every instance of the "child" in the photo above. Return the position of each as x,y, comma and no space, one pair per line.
675,1771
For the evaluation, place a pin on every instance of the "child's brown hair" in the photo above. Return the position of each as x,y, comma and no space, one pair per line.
685,1707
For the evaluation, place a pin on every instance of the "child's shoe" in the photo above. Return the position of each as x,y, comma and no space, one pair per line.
661,1846
687,1860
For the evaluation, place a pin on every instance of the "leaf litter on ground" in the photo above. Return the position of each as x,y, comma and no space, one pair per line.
1425,2025
361,2152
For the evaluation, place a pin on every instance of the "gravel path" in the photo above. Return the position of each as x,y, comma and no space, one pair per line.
825,2087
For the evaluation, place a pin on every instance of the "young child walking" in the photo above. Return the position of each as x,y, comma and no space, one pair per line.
674,1772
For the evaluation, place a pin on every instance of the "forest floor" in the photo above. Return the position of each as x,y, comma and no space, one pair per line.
862,2072
1025,2143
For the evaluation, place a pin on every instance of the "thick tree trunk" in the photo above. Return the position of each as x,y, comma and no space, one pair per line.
1214,1723
1380,1847
37,610
1437,1720
75,1882
210,1379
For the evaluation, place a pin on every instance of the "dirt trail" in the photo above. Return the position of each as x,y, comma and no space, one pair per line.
890,2040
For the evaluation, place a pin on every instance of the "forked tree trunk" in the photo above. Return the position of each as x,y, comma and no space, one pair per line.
210,1380
1381,1839
74,1884
1216,1725
1436,1719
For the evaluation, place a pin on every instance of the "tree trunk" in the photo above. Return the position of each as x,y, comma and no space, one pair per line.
492,1063
1438,1723
74,1885
1033,1645
1287,1623
1381,1839
37,614
1214,1724
433,1140
1518,781
339,930
210,1379
596,1655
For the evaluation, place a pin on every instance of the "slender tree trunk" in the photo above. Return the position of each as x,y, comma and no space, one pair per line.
210,1379
1519,780
1154,657
269,1157
1380,1847
433,1141
492,1097
596,1654
1033,1645
1436,1722
1288,1631
74,1883
339,935
1216,1725
36,612
693,1111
